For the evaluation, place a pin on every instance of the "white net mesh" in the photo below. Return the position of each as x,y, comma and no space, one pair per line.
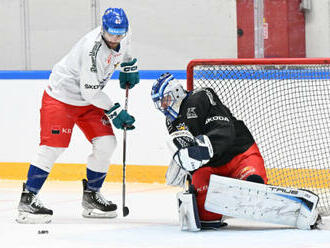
287,109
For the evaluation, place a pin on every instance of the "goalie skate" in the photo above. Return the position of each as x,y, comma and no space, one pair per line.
31,209
95,205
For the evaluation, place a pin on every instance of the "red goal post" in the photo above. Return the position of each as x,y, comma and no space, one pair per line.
274,61
286,105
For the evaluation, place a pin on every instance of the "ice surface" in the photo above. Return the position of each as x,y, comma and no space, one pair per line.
152,222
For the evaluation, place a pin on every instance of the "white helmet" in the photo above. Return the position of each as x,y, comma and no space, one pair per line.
167,94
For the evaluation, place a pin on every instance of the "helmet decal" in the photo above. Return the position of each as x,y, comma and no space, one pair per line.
115,22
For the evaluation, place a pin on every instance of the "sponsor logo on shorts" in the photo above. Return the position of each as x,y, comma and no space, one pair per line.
202,188
55,131
248,170
105,121
66,130
61,130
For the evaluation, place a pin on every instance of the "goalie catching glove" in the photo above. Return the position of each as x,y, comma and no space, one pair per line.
129,74
120,118
190,152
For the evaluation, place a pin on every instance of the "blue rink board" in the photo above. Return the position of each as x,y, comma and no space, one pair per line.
181,74
263,74
144,74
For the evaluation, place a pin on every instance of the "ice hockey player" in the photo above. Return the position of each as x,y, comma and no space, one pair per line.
74,96
210,146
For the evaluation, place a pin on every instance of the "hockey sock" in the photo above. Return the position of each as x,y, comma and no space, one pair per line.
36,178
95,179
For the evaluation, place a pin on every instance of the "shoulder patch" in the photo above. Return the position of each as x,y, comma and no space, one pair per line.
210,96
197,90
93,55
207,92
182,126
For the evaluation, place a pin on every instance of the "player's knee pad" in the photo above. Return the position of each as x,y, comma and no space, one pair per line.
103,148
46,157
255,178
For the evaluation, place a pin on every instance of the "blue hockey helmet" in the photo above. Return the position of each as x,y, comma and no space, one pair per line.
167,94
114,21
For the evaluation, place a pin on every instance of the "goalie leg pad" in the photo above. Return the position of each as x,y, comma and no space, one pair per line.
266,203
188,212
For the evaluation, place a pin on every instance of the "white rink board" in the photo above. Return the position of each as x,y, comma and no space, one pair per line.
20,101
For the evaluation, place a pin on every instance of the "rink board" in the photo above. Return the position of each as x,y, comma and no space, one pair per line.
156,174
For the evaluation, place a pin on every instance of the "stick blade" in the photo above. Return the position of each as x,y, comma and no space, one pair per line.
125,211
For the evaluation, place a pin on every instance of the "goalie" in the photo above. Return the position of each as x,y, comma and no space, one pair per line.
209,147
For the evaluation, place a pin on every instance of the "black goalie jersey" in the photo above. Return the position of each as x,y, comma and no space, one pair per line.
202,113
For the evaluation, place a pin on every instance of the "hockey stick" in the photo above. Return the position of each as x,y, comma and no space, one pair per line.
125,208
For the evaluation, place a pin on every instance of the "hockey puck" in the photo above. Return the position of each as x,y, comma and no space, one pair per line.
125,211
43,232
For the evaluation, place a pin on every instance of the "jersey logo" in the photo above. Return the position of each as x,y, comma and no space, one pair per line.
109,58
191,114
216,118
94,87
182,126
93,55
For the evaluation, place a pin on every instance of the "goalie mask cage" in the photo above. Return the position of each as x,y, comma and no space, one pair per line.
286,105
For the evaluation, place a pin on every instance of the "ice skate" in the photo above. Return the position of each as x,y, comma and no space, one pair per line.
212,224
95,205
31,209
318,223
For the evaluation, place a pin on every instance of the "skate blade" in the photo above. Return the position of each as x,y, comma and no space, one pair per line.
95,213
28,218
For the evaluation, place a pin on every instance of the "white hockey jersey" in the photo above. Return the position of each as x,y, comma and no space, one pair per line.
78,79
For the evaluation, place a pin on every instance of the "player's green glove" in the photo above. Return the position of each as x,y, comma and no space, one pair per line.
129,74
120,118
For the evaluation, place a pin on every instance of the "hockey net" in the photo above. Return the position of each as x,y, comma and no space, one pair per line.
286,105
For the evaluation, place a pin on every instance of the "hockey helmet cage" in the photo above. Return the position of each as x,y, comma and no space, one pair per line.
167,94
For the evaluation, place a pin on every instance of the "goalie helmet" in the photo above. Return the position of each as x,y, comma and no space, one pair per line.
115,22
167,94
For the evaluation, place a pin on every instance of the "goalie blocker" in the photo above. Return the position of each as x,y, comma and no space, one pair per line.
265,203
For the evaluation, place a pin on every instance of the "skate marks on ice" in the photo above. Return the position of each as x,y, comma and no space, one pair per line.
152,222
